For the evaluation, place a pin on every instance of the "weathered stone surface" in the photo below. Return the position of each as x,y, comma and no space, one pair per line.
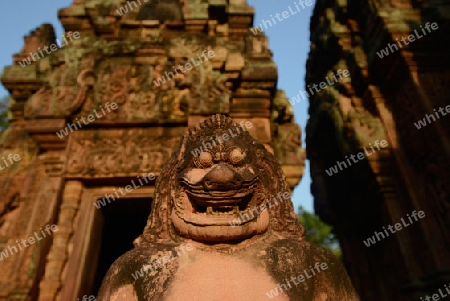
119,59
120,153
382,100
207,201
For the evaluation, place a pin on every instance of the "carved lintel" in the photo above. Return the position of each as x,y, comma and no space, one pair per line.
113,153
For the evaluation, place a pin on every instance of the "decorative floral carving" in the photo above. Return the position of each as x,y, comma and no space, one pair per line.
117,153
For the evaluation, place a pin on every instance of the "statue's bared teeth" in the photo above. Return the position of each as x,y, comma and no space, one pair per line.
209,210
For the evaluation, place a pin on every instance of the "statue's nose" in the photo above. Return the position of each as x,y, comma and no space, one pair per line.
222,177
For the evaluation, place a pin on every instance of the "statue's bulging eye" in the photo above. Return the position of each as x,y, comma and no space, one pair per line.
237,156
205,159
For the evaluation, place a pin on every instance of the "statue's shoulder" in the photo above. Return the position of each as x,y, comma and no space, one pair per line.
150,265
301,251
301,266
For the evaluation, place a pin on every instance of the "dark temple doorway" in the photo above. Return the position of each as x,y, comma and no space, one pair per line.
123,221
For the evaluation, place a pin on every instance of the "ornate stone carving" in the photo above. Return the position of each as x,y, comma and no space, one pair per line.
38,38
209,92
58,96
282,111
363,128
208,199
287,142
8,215
23,209
287,145
160,10
51,283
150,92
383,99
118,153
15,141
121,59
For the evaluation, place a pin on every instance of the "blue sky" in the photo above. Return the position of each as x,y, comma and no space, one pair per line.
288,39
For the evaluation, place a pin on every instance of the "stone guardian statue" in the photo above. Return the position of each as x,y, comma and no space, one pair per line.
223,228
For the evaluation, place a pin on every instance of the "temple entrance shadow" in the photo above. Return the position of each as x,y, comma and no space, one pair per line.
123,221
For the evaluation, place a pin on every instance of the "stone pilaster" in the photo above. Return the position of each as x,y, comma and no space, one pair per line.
57,258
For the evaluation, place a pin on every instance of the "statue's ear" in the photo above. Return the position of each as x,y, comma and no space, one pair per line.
158,226
283,218
269,169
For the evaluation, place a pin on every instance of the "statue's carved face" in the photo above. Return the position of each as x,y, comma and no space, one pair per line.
217,187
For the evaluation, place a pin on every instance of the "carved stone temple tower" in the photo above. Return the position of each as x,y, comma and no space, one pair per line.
384,97
128,59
